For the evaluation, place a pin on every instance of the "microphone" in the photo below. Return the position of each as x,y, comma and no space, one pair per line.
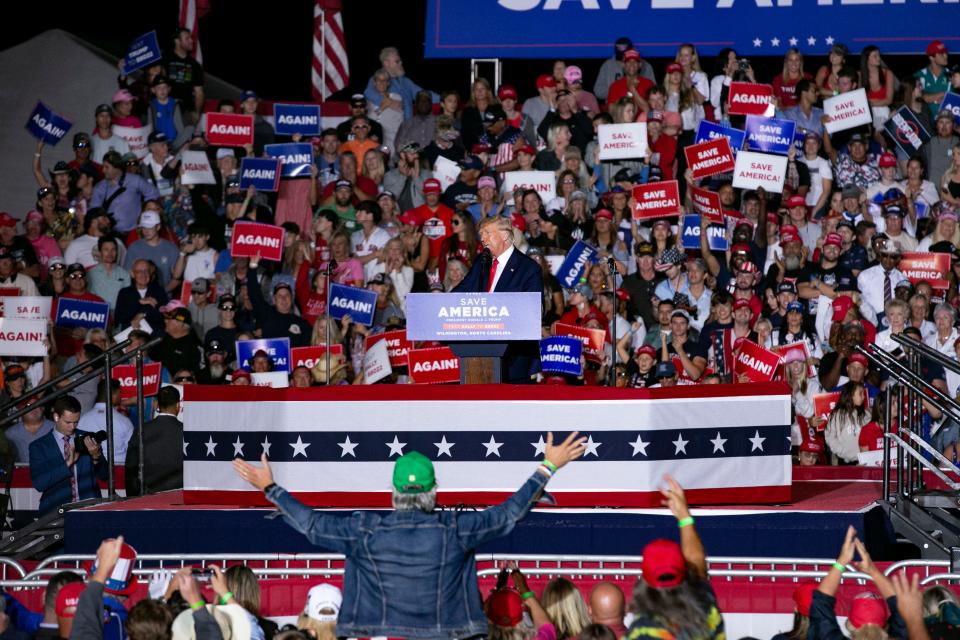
331,265
486,256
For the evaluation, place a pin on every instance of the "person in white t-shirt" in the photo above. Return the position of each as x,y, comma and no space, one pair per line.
821,173
367,241
197,259
96,420
159,162
104,139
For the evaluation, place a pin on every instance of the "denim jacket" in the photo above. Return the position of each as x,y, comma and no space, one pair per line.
410,574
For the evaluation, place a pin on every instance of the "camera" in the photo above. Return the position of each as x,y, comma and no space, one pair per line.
743,64
81,448
201,574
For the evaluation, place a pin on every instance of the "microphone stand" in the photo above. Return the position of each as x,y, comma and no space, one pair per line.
612,374
331,265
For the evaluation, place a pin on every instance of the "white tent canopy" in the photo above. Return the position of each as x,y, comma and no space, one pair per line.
71,77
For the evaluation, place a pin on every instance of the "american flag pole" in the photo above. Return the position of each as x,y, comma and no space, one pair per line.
323,83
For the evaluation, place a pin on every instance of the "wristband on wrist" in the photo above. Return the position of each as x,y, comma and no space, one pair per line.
197,605
526,595
549,465
685,522
545,470
267,489
225,598
839,567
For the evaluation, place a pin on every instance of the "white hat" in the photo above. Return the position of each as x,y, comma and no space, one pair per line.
149,219
225,152
233,620
323,596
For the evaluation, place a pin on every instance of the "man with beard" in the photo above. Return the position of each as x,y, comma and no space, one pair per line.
825,278
793,260
844,340
216,371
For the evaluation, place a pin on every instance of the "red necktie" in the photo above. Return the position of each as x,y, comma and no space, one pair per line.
67,454
493,274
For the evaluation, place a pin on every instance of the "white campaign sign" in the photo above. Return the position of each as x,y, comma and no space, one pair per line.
26,307
136,139
20,337
760,170
446,171
847,110
376,363
196,168
275,379
543,182
622,141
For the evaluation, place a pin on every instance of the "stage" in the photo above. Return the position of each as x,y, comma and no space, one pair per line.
825,500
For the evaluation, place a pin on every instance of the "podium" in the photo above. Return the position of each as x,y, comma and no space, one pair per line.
478,327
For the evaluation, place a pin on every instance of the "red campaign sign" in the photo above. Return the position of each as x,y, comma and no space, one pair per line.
229,129
707,203
823,404
252,238
926,267
757,363
433,366
751,99
710,157
309,356
127,375
8,292
656,200
397,346
592,339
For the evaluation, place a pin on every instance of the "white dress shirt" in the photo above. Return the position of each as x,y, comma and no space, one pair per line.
870,282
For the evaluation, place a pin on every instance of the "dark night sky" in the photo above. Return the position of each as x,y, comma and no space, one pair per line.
267,46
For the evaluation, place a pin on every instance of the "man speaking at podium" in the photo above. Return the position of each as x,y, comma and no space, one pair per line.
501,268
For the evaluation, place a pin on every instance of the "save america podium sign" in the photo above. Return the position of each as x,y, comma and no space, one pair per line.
473,316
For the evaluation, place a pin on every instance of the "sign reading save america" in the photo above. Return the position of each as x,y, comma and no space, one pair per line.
656,200
88,314
591,339
251,239
359,304
561,354
710,158
707,130
760,170
127,375
397,345
229,129
622,141
847,110
433,366
769,134
751,99
707,203
927,267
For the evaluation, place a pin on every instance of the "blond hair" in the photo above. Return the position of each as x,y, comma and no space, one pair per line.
565,606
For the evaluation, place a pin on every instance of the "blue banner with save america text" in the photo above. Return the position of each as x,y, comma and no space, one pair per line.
588,28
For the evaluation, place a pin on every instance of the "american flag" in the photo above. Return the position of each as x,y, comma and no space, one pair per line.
190,13
330,71
336,446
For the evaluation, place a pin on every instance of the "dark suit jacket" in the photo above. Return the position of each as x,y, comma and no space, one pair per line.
163,464
522,274
128,305
50,475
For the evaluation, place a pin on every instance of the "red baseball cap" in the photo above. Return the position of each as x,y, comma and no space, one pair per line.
505,607
740,303
674,67
432,185
622,294
507,91
527,148
647,349
631,54
867,608
545,80
788,236
555,380
803,595
409,218
810,446
603,213
834,239
887,159
68,598
740,248
6,220
516,219
663,564
936,47
796,201
859,358
841,307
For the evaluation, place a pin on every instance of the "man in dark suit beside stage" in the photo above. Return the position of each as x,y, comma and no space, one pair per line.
57,468
503,268
163,442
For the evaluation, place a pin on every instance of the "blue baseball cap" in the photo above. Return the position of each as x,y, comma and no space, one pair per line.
794,306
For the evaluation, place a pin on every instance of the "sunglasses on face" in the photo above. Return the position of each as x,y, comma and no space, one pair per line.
228,308
185,379
58,267
77,276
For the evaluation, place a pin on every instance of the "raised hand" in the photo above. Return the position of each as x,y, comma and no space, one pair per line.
569,449
260,477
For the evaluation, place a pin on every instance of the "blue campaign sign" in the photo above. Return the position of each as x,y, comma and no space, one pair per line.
710,131
541,28
73,313
277,348
295,158
45,125
474,316
143,52
579,256
359,304
561,354
263,174
717,234
951,102
799,137
290,119
771,135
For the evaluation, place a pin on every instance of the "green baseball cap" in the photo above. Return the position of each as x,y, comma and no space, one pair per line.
413,473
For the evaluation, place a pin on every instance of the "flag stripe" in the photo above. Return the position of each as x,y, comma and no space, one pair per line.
331,57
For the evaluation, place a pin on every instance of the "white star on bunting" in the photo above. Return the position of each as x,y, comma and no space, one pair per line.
539,447
718,443
756,441
211,446
757,42
347,447
185,448
775,42
265,445
396,447
828,40
811,41
493,447
639,446
591,447
680,444
793,42
237,448
443,447
299,447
